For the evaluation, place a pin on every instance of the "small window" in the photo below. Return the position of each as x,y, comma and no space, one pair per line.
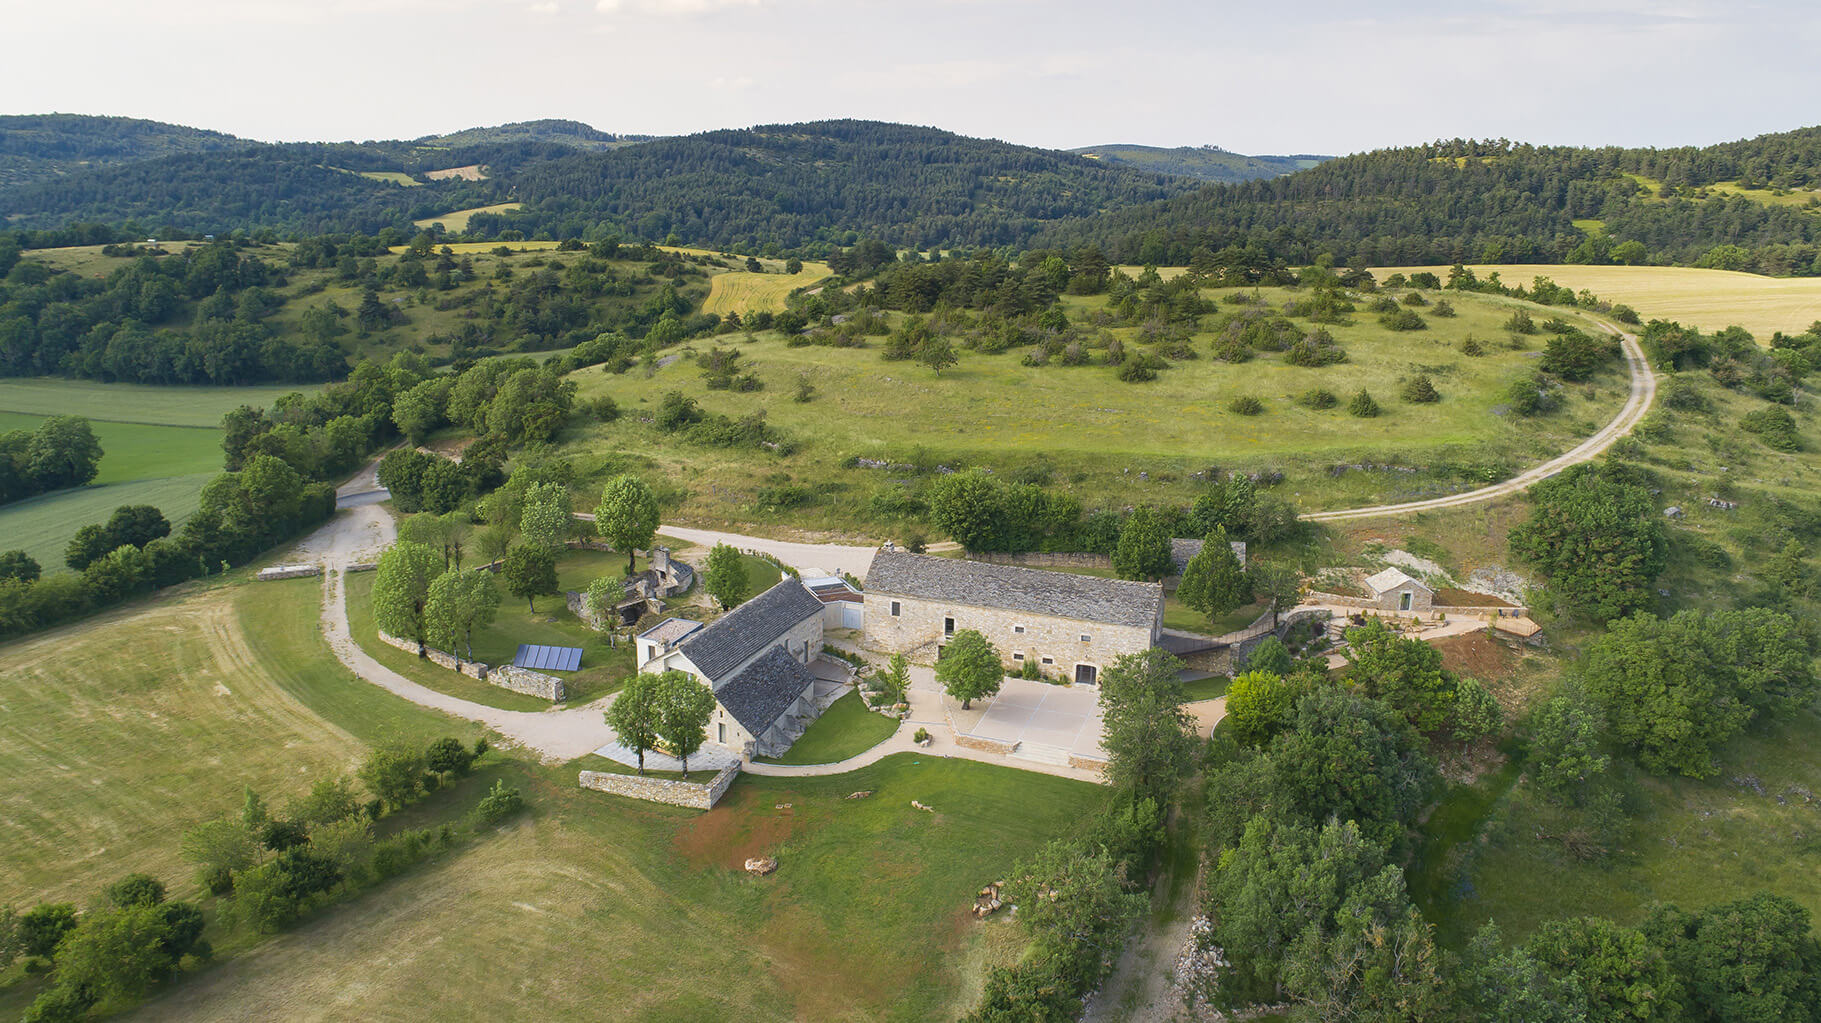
896,607
1085,637
1403,601
723,735
948,626
1017,657
1019,629
1049,660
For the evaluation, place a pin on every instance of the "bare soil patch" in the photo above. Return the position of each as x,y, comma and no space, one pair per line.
742,825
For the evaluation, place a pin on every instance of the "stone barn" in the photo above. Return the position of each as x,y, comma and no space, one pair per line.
756,659
1073,624
1393,590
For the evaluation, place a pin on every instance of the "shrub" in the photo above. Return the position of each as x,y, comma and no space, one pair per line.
1576,355
1031,670
1415,298
605,408
1774,426
1420,390
1444,309
1317,398
1317,348
1532,396
1363,405
1246,405
1625,314
921,735
1520,322
1685,397
1472,347
1383,304
136,890
500,803
1403,319
1136,371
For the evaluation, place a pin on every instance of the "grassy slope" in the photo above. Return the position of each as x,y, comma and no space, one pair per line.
457,222
42,526
1709,299
134,403
1097,432
846,729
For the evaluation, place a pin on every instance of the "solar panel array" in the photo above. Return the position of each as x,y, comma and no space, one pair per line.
548,658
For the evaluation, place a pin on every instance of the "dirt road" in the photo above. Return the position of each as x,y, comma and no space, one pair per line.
1643,392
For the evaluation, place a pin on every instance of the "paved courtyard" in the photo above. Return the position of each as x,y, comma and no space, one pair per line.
1036,714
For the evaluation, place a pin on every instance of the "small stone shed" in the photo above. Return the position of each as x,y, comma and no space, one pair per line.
1393,590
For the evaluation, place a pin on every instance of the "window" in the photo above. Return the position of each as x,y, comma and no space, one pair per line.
1403,601
896,607
1085,637
722,732
1017,657
1019,629
1049,660
948,626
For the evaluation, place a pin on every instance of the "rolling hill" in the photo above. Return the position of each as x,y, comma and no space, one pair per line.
36,147
1204,163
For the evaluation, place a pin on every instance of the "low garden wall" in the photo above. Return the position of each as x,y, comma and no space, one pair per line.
288,572
691,794
1487,611
1081,763
1045,559
518,680
984,745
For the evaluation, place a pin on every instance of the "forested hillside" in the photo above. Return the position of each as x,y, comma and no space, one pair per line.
548,130
1749,205
34,147
1204,163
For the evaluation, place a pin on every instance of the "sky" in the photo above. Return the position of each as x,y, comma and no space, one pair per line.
1315,76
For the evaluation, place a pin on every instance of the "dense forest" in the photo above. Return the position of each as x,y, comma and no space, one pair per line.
1496,201
1204,163
34,147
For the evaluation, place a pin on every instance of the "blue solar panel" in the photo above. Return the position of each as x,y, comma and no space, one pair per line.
548,658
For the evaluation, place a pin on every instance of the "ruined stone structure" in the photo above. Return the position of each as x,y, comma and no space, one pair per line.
1073,623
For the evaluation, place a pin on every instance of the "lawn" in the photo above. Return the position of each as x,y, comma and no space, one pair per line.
42,526
139,451
844,730
1708,299
1089,433
1210,688
604,668
761,575
643,908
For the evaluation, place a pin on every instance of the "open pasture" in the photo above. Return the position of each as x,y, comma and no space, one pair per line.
42,526
1708,299
135,403
457,222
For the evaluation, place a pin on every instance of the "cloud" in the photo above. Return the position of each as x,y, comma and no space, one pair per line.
547,7
669,7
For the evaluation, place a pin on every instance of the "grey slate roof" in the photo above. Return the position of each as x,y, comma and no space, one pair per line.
760,622
669,631
1183,551
979,584
756,696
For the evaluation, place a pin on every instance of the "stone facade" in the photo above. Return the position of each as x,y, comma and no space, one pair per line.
918,628
694,795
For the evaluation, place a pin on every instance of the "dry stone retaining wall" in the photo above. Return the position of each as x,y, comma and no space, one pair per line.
1045,559
518,680
288,572
691,794
985,745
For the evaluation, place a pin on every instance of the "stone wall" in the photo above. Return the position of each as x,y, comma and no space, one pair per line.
985,745
694,795
524,680
1087,763
362,566
578,606
288,572
917,629
1045,559
407,645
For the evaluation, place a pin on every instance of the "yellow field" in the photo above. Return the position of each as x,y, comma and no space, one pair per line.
395,177
472,172
1709,299
457,222
743,292
470,248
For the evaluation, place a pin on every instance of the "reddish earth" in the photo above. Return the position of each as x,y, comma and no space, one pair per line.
1448,596
1478,655
737,830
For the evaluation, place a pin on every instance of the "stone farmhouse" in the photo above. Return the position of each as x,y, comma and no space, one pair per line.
1077,624
1392,590
756,659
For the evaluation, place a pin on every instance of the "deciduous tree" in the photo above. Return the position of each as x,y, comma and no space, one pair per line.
726,576
635,715
401,589
459,603
1149,739
685,704
628,516
969,668
530,570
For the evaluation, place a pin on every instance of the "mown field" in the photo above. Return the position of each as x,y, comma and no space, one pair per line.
457,221
1092,431
1708,299
120,731
742,292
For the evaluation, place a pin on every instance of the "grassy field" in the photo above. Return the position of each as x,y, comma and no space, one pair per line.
643,908
136,451
604,669
42,526
743,292
1092,431
844,730
135,403
394,177
457,222
1709,299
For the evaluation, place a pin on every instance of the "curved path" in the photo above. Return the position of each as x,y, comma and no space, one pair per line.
1643,392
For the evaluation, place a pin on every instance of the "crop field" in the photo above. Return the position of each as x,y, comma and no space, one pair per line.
135,403
1094,432
471,248
457,222
637,906
1708,299
391,177
743,292
120,729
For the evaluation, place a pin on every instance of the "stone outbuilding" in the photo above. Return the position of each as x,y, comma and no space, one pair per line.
1393,590
1075,624
1183,551
756,659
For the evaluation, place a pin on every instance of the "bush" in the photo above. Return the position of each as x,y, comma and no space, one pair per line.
1444,309
1472,347
1625,314
1136,371
500,803
1317,348
1420,390
1317,398
392,856
1415,299
1403,319
1246,405
1520,322
136,890
1383,304
1363,405
1774,426
1532,396
921,735
604,408
1685,397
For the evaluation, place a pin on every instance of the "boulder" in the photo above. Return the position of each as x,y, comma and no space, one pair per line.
761,865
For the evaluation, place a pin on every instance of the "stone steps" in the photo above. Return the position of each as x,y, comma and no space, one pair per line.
1041,753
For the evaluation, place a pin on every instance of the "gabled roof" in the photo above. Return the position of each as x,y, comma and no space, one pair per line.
1393,579
748,629
764,689
669,631
979,584
1183,551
